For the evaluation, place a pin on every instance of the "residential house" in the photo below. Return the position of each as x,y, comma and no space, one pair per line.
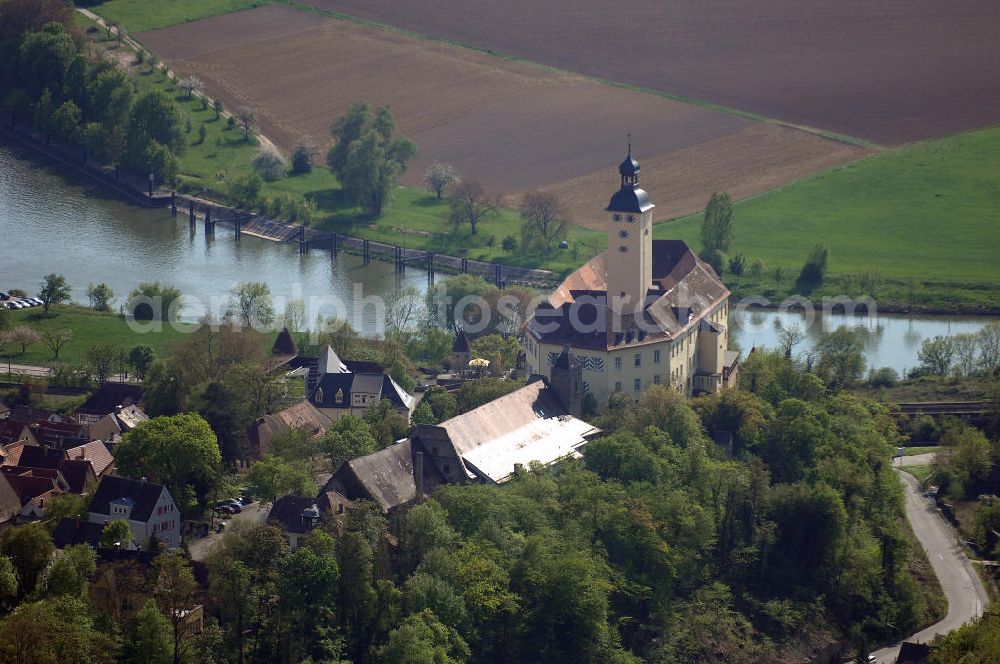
338,389
297,516
34,488
114,425
109,398
303,416
488,444
148,508
97,453
13,432
645,312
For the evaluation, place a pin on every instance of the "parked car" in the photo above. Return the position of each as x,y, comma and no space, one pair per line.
236,506
4,296
37,300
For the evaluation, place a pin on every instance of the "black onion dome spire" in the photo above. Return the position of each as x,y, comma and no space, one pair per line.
630,198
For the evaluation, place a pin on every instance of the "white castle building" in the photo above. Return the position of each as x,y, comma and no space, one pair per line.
645,312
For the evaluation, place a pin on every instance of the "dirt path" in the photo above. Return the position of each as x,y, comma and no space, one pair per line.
127,63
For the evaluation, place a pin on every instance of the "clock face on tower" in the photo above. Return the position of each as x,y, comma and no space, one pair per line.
617,217
630,219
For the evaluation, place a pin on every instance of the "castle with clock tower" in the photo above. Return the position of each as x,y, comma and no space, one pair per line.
644,312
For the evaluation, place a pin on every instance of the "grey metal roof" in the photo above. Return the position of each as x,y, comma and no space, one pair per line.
630,199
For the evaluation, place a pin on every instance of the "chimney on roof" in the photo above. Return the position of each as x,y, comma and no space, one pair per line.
418,473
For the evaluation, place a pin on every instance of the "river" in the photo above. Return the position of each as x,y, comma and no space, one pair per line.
53,221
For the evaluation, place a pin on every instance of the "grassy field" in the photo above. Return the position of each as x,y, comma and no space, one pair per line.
929,211
416,218
921,449
141,15
89,329
919,472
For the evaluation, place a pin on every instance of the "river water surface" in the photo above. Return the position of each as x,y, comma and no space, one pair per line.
53,221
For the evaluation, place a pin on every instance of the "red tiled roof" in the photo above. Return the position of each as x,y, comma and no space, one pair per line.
96,452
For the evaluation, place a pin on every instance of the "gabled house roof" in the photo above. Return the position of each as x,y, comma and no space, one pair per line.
303,416
109,397
79,474
386,477
112,488
129,417
28,486
37,456
96,452
527,425
289,511
346,384
71,531
13,431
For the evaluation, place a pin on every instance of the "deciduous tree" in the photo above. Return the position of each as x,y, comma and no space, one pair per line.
439,176
470,204
54,290
543,220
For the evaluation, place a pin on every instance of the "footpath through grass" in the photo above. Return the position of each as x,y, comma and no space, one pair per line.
927,212
89,328
142,15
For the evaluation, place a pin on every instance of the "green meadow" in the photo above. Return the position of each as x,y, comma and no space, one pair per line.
928,211
142,15
89,328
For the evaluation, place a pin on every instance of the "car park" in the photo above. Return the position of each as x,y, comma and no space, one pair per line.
37,300
236,506
4,296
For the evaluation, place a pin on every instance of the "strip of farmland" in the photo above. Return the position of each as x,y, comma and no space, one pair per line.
890,71
511,125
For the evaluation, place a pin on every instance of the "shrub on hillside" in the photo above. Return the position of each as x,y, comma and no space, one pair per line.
269,165
301,160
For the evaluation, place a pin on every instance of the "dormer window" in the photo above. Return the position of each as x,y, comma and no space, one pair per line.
339,396
319,395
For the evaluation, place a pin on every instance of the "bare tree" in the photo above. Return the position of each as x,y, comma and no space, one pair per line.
24,337
470,204
401,308
989,347
55,338
439,176
544,220
966,350
788,338
190,84
295,315
251,304
247,119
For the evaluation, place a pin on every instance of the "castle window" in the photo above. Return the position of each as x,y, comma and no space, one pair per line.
623,233
637,384
656,357
618,386
638,359
617,217
656,379
618,364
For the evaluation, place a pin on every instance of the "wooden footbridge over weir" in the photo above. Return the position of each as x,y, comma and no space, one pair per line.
307,239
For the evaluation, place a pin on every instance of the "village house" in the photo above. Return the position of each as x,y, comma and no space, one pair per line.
645,312
337,388
109,398
33,490
490,444
297,516
303,416
147,507
114,425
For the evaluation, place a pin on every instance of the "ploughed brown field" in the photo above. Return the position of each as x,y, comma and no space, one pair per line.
890,71
511,125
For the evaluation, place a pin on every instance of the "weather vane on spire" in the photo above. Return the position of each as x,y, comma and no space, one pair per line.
629,139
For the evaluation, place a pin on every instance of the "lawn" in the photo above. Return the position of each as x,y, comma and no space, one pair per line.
921,473
929,211
921,449
89,329
142,15
415,219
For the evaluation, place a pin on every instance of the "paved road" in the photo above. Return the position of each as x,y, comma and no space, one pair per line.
251,514
26,370
964,591
916,460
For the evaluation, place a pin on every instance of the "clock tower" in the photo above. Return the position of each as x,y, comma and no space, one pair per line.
630,240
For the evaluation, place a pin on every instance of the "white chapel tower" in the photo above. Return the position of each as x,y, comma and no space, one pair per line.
630,240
